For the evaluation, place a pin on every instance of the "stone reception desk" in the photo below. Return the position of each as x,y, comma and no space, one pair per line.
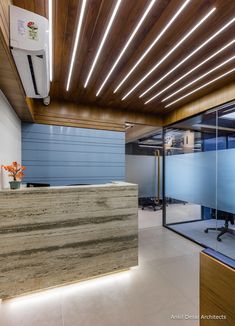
58,235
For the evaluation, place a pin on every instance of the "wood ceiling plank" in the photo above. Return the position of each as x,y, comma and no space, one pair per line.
59,36
95,22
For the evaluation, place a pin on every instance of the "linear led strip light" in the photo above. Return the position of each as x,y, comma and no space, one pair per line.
50,14
76,43
199,78
126,45
230,22
197,89
152,44
186,36
198,125
190,71
103,41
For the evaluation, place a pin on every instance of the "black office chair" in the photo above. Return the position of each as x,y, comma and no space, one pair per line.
227,217
149,202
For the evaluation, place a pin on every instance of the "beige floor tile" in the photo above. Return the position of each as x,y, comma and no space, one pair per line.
43,309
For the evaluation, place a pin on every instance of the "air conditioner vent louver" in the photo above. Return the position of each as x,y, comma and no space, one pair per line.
32,74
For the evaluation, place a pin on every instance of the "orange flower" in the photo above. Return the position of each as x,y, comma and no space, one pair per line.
15,171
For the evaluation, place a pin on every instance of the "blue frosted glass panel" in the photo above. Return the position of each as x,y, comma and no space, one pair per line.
231,142
226,180
192,178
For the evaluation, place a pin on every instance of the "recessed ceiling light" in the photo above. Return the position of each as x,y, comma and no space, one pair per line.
152,44
190,71
50,14
199,78
204,85
76,42
126,45
224,27
169,53
103,41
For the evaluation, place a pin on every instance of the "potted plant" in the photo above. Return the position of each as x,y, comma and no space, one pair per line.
16,172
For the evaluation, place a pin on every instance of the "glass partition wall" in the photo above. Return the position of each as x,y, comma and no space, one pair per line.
199,178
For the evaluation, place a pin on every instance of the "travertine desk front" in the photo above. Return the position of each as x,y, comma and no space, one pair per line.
57,235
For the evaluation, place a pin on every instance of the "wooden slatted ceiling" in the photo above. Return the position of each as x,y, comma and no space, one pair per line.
66,14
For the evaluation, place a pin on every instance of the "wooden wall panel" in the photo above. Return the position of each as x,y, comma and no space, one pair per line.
75,115
222,95
217,292
10,83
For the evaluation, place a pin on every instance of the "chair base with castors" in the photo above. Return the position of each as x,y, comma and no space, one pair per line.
149,202
224,229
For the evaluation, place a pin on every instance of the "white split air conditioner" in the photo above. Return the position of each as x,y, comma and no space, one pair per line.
29,42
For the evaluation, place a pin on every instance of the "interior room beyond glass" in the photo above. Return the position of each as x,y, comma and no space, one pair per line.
199,174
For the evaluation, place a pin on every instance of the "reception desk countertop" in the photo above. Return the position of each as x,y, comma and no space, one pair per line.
58,235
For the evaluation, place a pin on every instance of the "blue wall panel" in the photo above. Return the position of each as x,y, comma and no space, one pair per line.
67,155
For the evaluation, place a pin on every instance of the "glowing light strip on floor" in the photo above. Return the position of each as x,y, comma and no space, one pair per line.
79,287
197,89
190,71
169,53
126,45
230,22
103,41
179,11
76,43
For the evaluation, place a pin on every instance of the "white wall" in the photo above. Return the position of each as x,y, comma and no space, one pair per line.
10,138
